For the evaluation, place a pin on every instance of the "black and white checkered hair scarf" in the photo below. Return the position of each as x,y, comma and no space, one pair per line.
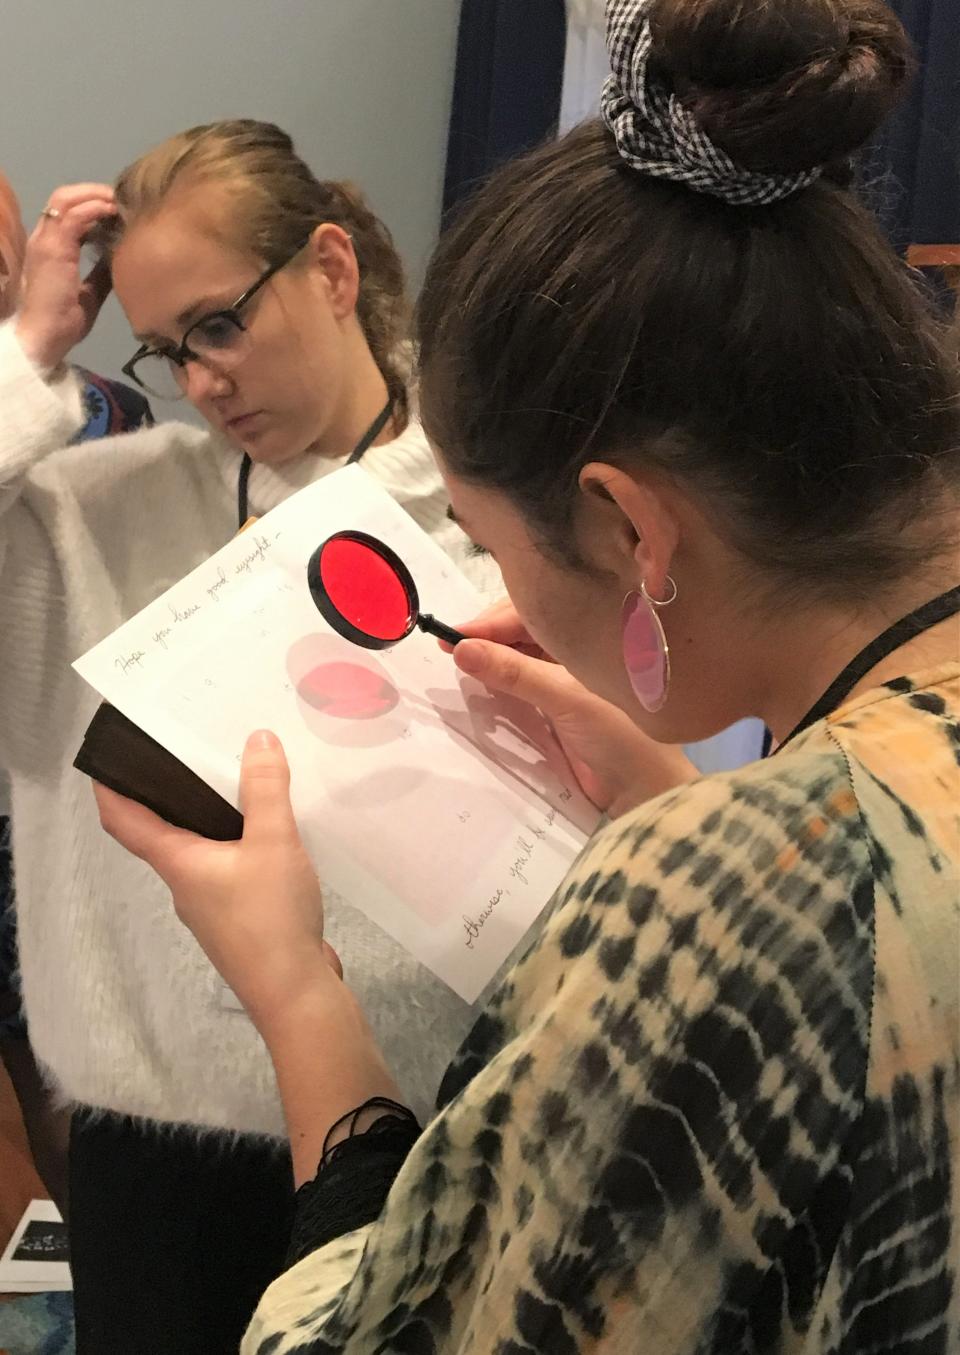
658,136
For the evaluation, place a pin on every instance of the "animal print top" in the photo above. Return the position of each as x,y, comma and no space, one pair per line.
715,1107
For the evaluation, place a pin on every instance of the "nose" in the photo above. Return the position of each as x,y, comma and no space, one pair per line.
201,382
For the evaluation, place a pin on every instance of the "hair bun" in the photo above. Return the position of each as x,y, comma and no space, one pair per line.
783,85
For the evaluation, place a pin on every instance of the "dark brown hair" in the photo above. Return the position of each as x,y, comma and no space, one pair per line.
779,360
276,201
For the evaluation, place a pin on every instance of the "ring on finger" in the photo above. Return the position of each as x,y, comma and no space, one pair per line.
52,213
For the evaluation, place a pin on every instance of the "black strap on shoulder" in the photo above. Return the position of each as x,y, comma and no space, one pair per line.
907,628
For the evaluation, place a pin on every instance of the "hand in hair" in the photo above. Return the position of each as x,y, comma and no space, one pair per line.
59,305
616,765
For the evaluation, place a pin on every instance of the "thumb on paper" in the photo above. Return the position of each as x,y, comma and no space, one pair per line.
265,790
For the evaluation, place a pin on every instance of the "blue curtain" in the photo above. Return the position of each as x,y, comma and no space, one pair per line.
914,167
509,78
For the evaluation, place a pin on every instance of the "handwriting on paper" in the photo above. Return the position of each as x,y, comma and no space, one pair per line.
214,590
127,661
255,557
473,926
522,860
524,849
218,585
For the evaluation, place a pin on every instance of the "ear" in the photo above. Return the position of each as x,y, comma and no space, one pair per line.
330,252
642,528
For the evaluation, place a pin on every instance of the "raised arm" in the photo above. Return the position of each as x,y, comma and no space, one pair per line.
40,400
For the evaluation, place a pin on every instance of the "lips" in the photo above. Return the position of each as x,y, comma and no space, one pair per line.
243,422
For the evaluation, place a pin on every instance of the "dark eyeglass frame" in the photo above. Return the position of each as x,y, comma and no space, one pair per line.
182,353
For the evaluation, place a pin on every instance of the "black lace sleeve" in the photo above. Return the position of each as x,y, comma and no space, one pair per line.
354,1178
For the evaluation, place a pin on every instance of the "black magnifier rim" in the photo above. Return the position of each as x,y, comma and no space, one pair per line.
335,618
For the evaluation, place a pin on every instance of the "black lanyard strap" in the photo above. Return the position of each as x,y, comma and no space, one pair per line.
372,433
243,493
365,443
907,628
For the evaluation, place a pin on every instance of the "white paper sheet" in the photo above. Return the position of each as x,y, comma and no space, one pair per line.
40,1234
447,816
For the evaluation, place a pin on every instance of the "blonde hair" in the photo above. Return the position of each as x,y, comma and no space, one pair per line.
13,243
276,201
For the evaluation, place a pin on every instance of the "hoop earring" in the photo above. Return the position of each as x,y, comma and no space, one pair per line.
646,654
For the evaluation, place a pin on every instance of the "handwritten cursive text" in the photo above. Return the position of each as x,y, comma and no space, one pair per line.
474,926
221,582
128,661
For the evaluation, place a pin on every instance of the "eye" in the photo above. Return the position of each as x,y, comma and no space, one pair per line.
476,550
215,331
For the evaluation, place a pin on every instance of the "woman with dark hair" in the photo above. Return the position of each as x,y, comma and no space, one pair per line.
684,393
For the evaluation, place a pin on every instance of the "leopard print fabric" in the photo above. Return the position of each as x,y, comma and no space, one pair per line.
715,1106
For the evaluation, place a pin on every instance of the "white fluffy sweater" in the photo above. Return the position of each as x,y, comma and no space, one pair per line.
125,1011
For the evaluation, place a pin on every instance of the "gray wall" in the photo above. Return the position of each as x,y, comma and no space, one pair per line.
363,86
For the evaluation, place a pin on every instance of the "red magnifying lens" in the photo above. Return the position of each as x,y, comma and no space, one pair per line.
365,592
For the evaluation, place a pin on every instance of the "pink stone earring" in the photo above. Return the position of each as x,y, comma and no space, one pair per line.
646,654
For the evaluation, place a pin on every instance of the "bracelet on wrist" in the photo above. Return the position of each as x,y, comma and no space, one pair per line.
393,1114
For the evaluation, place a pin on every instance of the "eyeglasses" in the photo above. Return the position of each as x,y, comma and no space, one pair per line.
220,341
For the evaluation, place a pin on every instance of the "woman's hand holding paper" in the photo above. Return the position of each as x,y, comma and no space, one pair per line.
256,908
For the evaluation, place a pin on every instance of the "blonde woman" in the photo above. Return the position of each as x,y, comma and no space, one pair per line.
274,304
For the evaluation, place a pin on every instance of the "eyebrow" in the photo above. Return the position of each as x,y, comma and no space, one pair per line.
204,305
149,340
453,517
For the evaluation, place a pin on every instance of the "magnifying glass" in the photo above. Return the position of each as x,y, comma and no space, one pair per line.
365,592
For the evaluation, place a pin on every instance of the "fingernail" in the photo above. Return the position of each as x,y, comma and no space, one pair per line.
263,739
469,656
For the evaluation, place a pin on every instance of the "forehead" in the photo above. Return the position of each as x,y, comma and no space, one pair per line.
171,260
485,514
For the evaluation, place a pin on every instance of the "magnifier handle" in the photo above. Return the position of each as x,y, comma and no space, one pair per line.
432,626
